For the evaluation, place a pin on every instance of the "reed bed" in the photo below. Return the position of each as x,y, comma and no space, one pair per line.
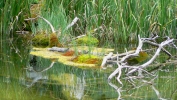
120,21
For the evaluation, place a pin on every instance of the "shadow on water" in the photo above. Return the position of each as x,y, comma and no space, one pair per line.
21,79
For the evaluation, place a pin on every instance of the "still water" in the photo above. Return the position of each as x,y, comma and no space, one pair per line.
62,82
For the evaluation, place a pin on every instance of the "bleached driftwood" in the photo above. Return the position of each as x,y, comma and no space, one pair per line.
153,58
122,64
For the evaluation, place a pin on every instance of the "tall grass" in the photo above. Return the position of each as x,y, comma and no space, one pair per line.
53,11
13,13
122,19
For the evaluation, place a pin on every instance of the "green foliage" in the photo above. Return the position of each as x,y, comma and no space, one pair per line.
88,41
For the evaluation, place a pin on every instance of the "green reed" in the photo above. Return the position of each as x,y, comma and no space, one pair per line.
122,19
52,11
13,13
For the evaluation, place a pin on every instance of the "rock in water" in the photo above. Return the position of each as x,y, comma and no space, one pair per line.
58,49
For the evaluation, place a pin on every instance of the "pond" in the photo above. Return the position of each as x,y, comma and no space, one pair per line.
63,82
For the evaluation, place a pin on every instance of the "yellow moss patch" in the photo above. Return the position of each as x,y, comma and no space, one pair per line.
43,52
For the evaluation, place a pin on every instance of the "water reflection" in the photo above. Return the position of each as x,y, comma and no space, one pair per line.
119,90
48,81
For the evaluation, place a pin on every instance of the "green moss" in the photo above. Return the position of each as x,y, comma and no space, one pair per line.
86,58
40,40
87,41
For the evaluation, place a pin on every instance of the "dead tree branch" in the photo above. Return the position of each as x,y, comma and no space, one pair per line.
121,59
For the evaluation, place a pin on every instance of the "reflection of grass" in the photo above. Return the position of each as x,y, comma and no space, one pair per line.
13,88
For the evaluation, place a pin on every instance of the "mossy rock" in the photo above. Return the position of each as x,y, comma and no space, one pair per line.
40,40
87,41
44,40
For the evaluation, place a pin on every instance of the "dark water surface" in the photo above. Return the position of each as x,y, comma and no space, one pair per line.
63,82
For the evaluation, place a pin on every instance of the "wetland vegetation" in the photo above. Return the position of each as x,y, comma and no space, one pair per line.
84,32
